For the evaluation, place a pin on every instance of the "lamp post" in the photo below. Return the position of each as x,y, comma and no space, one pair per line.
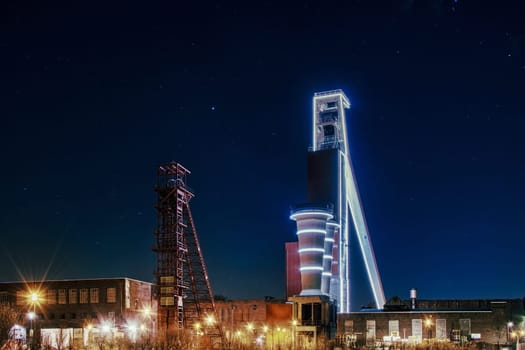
294,325
428,325
231,330
518,334
34,299
510,324
31,316
147,315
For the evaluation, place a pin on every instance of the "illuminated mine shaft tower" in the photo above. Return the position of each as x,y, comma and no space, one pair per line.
324,231
184,296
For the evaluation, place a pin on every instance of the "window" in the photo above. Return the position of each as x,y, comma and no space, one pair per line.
167,301
349,326
393,328
167,280
73,299
52,296
84,295
111,295
464,327
417,329
62,296
370,332
167,290
93,295
441,329
21,297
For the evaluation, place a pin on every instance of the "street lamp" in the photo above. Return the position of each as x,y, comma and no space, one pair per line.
510,324
148,314
428,325
33,300
294,324
231,330
517,334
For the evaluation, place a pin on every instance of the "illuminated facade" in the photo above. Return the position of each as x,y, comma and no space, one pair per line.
66,313
324,240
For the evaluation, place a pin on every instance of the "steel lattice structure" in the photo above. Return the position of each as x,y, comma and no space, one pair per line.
185,298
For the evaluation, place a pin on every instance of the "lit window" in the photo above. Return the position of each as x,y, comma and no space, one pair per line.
62,296
93,295
21,297
111,295
167,290
84,296
73,298
52,296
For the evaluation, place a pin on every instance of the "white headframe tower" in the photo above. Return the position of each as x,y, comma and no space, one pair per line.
331,180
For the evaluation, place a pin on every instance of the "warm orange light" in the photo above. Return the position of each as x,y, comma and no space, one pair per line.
428,322
147,311
210,320
34,297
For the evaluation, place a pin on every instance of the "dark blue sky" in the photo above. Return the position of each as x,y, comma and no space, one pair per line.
95,97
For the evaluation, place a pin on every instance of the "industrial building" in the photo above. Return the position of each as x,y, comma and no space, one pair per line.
494,322
66,312
318,270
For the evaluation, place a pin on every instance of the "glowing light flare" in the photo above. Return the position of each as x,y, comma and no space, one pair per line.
210,320
132,327
147,311
34,297
106,327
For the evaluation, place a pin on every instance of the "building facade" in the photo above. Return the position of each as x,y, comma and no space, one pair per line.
489,321
59,312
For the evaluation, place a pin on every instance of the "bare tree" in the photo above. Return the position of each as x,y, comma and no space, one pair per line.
9,316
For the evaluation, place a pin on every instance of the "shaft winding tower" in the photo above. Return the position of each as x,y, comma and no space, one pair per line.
185,298
331,180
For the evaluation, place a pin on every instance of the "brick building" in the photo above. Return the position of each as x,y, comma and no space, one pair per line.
73,308
436,320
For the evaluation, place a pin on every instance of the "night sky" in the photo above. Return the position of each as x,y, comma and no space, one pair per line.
95,96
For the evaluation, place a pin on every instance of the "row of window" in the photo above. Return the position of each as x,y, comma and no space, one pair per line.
75,316
420,328
64,296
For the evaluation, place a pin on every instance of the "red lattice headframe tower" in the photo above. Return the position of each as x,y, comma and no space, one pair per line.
185,299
